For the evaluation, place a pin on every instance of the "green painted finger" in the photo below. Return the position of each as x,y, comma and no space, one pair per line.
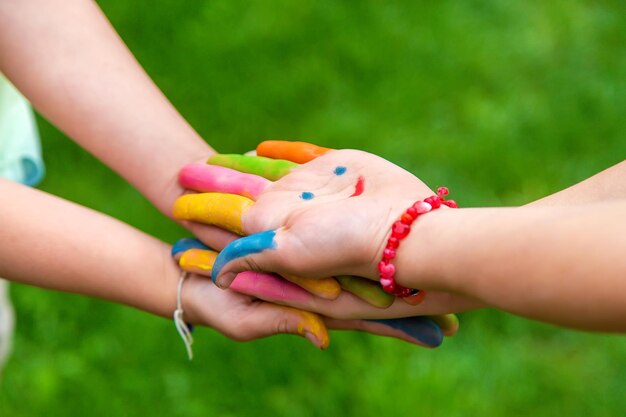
272,169
369,291
449,323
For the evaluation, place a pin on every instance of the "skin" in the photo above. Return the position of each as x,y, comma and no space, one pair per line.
65,57
427,331
139,273
471,252
216,178
298,152
346,306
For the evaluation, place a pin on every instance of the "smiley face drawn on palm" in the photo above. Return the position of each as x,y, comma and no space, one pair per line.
332,215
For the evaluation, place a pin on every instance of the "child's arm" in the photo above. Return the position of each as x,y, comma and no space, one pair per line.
562,264
607,185
68,61
49,242
52,243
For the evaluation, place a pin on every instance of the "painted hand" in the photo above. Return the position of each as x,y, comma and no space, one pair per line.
243,315
326,218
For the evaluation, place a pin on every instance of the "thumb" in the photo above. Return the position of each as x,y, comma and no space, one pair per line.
257,252
269,319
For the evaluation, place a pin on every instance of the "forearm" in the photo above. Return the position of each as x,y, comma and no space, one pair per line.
563,265
52,243
609,184
69,62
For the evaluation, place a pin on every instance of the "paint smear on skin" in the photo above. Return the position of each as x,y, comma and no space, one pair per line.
243,247
449,323
197,261
298,152
272,169
340,170
369,291
222,210
359,187
421,329
269,288
307,196
187,243
311,323
213,178
327,288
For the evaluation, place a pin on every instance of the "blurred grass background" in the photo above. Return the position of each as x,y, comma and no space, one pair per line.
503,101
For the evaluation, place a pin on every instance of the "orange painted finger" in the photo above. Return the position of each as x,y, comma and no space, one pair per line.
298,152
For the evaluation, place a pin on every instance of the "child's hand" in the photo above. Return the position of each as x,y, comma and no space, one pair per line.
243,314
328,217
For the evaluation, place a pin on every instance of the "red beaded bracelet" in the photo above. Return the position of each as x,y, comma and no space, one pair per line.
399,231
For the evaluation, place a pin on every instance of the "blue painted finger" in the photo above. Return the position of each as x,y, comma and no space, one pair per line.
240,248
183,245
421,329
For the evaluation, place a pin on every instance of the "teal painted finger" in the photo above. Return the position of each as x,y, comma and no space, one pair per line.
369,291
243,247
272,169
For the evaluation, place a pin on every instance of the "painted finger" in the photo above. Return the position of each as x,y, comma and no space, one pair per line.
238,257
449,323
367,290
223,210
197,261
185,244
272,169
421,331
415,299
326,288
217,179
298,152
271,319
270,287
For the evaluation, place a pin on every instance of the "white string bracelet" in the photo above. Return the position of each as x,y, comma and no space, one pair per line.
183,329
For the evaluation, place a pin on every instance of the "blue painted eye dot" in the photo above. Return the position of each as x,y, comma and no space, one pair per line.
340,170
307,195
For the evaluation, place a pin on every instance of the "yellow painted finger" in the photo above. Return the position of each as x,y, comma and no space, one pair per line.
222,210
197,261
327,288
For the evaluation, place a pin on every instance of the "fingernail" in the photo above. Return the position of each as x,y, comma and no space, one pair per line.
449,323
415,299
313,328
311,338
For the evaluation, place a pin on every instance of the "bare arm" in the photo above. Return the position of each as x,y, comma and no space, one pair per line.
560,264
69,62
51,243
609,184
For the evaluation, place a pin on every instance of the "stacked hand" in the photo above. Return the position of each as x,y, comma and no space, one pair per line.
329,217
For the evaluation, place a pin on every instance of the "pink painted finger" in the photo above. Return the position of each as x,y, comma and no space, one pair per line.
213,178
269,288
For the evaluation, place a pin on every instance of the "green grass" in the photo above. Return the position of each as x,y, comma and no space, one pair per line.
502,101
